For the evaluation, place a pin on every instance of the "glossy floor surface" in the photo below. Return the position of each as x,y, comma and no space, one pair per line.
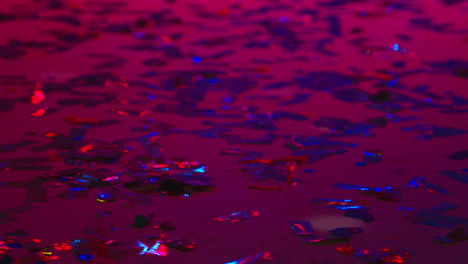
224,132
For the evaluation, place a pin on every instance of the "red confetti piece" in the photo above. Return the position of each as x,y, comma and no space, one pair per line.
38,97
40,112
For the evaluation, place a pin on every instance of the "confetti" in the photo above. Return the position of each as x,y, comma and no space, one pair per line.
384,194
435,217
372,156
174,243
253,259
457,235
192,107
458,176
240,216
302,228
459,155
422,182
380,255
339,204
428,132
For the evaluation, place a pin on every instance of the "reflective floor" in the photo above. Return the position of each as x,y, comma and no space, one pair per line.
229,132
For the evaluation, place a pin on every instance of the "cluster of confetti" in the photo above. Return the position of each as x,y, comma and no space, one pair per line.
160,131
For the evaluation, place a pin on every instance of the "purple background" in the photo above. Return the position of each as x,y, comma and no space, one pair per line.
404,157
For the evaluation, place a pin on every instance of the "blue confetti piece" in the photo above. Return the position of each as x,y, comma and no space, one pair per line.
252,259
404,37
458,100
85,257
76,189
82,180
334,26
453,111
346,231
332,3
443,239
405,208
372,156
400,119
443,207
428,132
460,177
339,204
433,188
353,187
289,115
104,196
427,23
14,245
459,155
427,217
384,194
423,89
